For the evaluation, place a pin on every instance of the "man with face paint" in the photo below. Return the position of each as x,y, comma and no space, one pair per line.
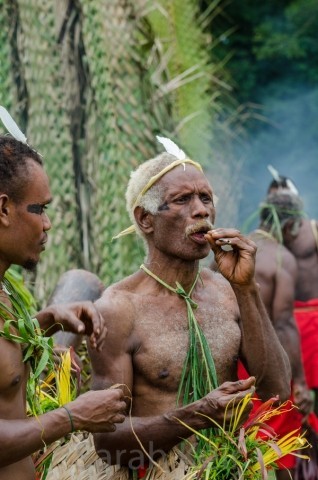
171,205
24,196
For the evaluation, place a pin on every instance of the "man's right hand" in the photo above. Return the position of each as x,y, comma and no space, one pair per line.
302,398
221,403
98,411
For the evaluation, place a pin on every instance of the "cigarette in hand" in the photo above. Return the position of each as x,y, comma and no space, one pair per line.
227,247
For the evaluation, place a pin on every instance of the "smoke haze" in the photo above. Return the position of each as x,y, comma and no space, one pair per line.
289,142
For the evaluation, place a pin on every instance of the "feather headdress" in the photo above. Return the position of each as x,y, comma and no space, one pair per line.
11,125
171,147
281,180
274,173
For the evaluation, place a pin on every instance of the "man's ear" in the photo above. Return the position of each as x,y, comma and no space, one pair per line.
143,219
4,209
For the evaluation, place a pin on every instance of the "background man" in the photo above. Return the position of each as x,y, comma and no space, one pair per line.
171,205
304,247
276,273
302,241
24,196
73,286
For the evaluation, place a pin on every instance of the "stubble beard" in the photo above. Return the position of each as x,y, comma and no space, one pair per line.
30,265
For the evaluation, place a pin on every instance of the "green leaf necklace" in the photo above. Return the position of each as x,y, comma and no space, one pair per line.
198,375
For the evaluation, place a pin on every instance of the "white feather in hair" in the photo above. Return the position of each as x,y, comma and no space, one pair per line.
11,126
292,186
274,173
171,147
278,178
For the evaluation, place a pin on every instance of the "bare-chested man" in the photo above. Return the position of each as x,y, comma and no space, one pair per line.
171,204
24,196
302,241
276,273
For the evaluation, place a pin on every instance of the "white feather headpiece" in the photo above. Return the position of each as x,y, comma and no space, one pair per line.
11,126
292,186
274,173
171,147
278,178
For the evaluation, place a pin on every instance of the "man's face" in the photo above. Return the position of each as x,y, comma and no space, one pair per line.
28,219
185,215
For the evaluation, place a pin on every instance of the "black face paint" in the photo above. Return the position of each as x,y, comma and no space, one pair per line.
162,207
36,208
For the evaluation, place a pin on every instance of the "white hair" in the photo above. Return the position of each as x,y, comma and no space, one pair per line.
139,178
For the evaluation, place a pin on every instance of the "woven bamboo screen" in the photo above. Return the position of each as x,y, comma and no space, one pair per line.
91,82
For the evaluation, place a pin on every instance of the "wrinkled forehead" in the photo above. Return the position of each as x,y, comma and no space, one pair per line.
185,177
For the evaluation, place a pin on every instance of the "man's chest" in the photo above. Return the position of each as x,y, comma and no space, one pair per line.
166,333
12,368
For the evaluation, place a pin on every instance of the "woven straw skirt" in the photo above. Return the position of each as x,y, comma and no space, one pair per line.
78,460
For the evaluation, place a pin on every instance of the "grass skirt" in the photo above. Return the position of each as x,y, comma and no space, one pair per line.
77,460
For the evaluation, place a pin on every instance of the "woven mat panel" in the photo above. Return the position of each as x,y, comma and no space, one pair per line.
7,86
77,460
120,128
49,132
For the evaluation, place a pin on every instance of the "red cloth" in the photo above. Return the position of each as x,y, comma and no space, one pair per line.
282,424
306,315
142,472
313,421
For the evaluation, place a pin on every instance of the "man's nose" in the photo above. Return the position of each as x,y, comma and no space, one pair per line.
46,222
199,208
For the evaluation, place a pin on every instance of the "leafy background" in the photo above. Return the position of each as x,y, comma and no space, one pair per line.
91,82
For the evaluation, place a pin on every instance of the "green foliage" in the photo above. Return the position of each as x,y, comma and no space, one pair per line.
272,42
289,37
189,72
20,327
244,452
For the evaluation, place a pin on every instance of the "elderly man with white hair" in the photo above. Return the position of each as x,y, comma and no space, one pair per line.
170,307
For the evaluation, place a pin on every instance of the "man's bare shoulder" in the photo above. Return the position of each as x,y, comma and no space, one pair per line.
218,292
304,243
212,278
272,255
288,260
118,307
119,299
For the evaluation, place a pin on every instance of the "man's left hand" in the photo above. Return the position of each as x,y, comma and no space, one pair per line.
78,317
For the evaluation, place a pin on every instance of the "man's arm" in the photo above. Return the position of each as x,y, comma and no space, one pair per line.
92,411
75,285
286,328
261,350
